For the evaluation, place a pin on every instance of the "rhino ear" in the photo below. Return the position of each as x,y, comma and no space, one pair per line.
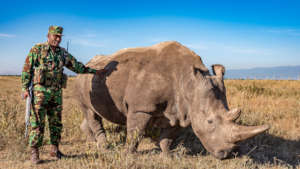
218,70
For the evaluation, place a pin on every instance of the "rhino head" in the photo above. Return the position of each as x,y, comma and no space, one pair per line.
211,119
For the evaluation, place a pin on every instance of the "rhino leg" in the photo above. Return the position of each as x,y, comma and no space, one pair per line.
136,124
166,138
96,125
85,128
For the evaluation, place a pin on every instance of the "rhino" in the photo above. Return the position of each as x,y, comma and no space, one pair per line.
166,86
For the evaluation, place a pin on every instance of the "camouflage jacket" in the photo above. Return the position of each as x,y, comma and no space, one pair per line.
42,59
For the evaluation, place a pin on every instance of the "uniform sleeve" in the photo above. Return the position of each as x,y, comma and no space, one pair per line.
77,67
27,72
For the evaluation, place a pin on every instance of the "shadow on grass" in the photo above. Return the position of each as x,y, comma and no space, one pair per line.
266,148
75,156
150,151
262,149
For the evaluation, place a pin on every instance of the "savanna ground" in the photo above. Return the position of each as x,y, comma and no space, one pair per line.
272,102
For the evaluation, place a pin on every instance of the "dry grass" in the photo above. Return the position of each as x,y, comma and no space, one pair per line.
276,103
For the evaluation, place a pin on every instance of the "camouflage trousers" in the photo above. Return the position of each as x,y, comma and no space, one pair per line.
46,102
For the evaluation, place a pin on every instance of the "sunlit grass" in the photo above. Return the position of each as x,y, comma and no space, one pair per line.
272,102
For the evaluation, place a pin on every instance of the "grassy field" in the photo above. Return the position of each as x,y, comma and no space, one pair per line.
276,103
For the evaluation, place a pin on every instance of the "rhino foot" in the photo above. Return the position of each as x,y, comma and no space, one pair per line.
90,138
132,144
166,139
102,142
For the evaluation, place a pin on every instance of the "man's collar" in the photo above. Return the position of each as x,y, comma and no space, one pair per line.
57,49
47,46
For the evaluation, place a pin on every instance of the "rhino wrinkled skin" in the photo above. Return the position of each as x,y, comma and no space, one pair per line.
165,85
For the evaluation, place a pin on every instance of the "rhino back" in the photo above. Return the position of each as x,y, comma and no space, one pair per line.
144,79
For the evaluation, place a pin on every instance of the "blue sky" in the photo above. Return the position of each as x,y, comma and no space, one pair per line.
237,34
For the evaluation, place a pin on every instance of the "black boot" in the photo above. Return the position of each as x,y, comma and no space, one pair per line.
35,157
55,152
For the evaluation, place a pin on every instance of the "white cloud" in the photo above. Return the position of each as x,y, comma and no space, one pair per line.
87,42
213,46
157,40
4,35
90,35
198,46
287,31
242,50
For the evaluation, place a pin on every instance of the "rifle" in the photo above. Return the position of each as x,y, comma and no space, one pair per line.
28,108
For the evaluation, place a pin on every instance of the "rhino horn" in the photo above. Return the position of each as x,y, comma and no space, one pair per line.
233,114
244,132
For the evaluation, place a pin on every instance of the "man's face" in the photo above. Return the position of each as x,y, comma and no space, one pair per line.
54,40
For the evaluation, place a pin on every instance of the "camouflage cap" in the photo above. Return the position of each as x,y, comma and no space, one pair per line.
58,30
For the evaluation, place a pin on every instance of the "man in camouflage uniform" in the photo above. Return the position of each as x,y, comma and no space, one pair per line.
44,69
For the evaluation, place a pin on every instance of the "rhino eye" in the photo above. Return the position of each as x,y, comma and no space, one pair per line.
209,121
197,70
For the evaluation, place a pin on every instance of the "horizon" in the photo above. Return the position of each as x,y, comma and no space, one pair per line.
238,35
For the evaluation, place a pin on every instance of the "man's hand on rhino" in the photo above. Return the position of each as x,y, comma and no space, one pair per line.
101,72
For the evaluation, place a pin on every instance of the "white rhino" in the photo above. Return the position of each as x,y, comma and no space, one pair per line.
165,85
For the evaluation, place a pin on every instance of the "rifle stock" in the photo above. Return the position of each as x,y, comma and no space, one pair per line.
28,108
